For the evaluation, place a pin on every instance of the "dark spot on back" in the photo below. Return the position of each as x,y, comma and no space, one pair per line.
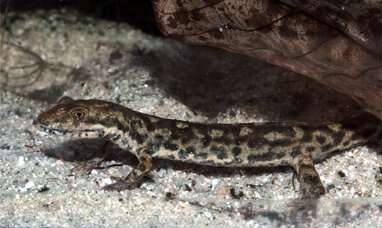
185,135
219,151
338,137
154,146
236,151
346,143
307,136
136,124
190,149
206,141
137,137
170,146
183,154
148,124
150,150
158,137
255,142
295,151
320,139
310,148
125,141
284,163
175,136
280,142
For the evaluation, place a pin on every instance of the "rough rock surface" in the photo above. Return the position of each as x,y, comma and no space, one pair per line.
337,43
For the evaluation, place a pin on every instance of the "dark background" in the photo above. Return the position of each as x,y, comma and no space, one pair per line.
138,13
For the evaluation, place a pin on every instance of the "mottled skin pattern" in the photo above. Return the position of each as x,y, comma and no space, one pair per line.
337,43
226,145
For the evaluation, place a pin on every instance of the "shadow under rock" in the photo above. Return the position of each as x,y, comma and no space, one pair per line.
213,81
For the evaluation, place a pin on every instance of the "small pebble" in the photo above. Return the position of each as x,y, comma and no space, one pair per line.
29,185
20,161
214,183
106,181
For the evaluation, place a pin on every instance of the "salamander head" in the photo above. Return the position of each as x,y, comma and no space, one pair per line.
83,117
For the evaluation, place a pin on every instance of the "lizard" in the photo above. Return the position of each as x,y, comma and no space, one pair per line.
241,145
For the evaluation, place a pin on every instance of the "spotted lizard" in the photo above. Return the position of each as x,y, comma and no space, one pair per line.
268,144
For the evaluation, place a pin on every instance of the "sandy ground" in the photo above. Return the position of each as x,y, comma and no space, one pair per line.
65,53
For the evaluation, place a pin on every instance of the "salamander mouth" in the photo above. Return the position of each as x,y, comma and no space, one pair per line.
79,132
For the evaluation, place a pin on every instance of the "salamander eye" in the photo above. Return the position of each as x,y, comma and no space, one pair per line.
79,113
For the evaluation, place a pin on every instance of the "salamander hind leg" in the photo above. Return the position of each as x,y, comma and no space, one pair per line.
135,177
310,182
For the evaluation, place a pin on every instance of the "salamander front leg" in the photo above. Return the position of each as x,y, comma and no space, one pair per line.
310,182
95,163
134,178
